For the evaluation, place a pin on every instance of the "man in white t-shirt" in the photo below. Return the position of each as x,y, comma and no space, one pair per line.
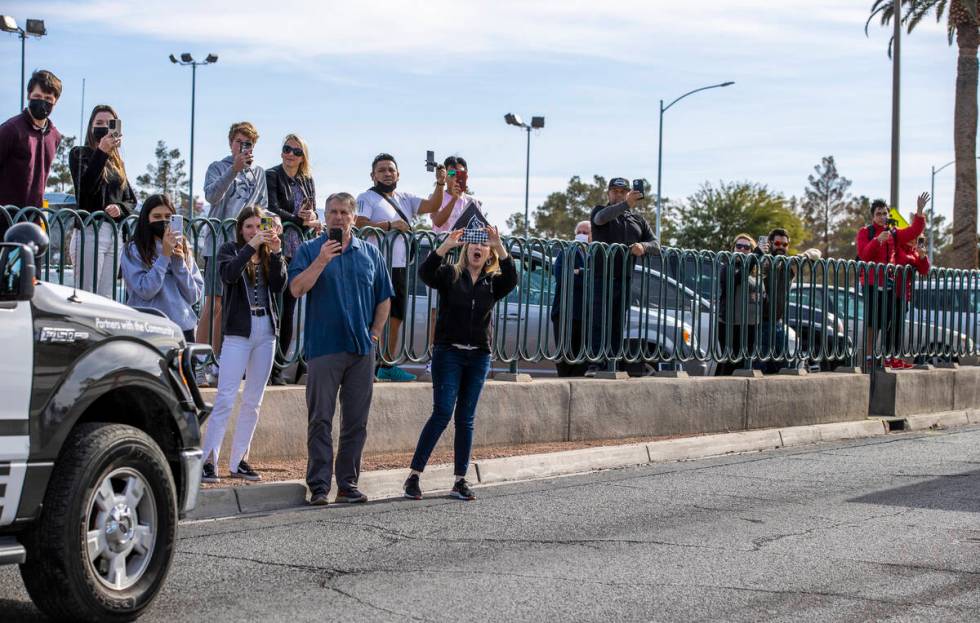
393,211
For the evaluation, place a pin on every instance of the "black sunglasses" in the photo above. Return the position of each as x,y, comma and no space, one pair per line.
296,151
742,245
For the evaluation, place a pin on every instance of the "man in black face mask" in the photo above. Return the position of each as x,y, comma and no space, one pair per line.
22,180
392,211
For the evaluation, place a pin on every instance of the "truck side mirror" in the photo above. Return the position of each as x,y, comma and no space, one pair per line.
16,272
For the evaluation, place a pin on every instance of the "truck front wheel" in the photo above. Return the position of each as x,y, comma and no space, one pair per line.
107,531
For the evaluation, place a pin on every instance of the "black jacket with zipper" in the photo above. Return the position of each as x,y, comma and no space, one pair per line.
236,312
466,308
281,193
93,190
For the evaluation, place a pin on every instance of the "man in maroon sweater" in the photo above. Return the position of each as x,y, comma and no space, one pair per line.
28,143
884,297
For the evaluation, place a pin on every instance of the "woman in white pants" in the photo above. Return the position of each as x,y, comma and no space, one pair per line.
253,273
101,189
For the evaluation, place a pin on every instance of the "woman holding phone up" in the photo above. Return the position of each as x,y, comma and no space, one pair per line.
468,290
99,178
292,197
253,273
158,268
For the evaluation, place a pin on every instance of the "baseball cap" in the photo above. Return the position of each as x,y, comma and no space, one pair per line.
619,182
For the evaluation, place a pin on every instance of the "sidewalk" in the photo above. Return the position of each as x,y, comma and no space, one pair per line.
384,475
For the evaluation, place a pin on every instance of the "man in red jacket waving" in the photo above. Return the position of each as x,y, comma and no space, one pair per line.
884,299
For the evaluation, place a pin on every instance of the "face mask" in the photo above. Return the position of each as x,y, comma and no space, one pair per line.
99,133
582,238
39,109
158,228
385,188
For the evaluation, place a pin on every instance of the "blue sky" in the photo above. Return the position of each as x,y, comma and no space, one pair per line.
358,78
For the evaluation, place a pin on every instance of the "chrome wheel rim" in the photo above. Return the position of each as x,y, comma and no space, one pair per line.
121,529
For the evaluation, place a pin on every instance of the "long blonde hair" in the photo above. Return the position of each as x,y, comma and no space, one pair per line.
491,267
305,168
115,163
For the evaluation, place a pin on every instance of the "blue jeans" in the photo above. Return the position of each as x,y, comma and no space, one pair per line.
457,380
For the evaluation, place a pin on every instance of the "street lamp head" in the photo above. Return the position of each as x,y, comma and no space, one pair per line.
8,24
186,57
537,122
513,119
173,59
35,27
212,58
727,84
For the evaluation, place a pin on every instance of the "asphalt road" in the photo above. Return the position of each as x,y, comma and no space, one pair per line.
883,529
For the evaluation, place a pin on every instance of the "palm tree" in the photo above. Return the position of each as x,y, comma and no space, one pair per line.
961,24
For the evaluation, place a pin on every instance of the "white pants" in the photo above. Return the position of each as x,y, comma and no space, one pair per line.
98,261
251,356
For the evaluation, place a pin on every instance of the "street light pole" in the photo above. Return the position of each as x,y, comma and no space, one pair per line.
190,182
527,182
33,27
187,60
536,124
660,144
23,67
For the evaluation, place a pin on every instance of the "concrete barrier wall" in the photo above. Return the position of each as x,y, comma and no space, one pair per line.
911,392
576,410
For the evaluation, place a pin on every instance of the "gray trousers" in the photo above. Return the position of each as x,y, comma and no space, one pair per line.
353,375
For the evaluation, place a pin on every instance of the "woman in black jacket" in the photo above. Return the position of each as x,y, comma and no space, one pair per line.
99,177
292,197
253,273
468,291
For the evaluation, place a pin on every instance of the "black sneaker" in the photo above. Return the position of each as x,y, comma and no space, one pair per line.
591,371
462,491
209,473
319,499
412,489
350,496
245,471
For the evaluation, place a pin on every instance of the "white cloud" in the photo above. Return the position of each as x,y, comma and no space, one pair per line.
417,32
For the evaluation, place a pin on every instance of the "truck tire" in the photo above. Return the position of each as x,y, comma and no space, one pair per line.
104,542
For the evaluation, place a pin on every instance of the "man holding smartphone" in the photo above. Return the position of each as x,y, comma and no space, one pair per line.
230,184
616,223
392,211
348,296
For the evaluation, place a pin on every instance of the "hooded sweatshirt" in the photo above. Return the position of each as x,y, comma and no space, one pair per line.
228,192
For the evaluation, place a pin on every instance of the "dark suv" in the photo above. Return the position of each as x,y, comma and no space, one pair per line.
100,448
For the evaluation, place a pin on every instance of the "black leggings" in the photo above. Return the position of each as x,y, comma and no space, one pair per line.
730,348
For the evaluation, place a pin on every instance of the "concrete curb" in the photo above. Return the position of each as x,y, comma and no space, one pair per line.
383,484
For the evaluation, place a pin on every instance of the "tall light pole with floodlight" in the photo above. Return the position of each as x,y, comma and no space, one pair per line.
186,59
33,27
660,142
536,124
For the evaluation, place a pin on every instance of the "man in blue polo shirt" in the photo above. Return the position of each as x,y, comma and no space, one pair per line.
348,301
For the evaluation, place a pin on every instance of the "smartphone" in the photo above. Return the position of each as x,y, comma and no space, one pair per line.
337,234
115,128
763,242
478,236
267,223
638,186
430,161
177,224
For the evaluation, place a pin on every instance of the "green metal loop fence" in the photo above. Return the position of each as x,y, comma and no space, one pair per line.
599,304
